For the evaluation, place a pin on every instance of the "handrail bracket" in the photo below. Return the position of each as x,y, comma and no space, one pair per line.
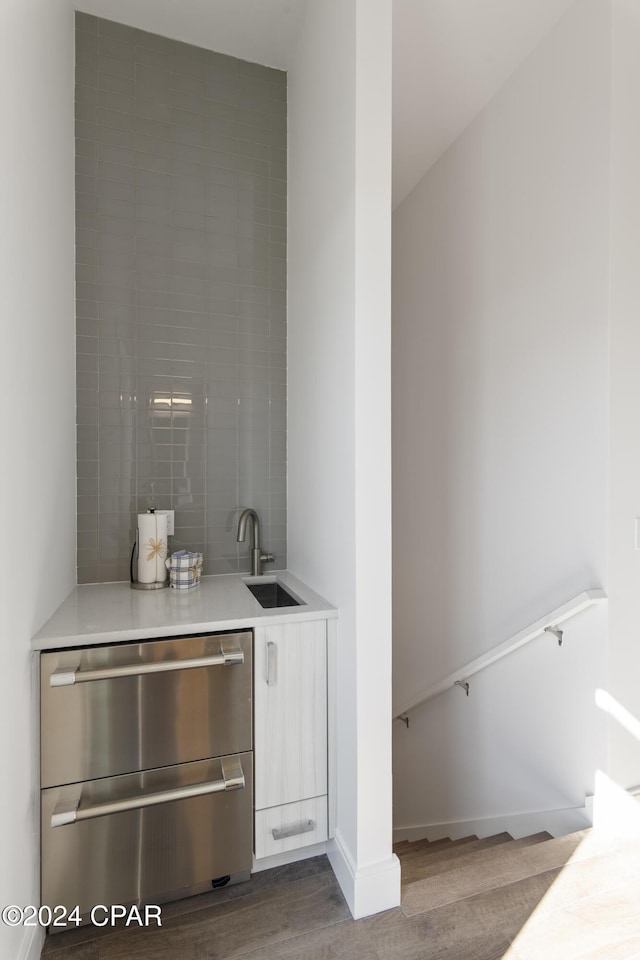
559,634
463,684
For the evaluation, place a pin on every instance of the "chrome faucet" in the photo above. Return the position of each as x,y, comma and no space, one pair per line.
257,556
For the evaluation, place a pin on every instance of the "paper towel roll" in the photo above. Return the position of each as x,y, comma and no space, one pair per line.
152,547
161,552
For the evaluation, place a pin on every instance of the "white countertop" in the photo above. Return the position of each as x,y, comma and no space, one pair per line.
113,612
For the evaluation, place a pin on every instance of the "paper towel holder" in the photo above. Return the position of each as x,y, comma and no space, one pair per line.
134,583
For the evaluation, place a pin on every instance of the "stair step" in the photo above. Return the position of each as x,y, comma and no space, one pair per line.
400,845
443,863
439,848
498,867
540,905
410,846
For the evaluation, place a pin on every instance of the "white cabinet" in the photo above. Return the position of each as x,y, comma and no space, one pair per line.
290,722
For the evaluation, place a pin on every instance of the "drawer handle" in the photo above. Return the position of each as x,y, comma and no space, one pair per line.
232,779
229,654
293,829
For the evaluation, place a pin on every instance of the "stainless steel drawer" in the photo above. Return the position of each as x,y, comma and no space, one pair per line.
130,838
135,706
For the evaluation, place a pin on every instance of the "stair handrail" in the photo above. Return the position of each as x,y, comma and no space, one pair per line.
547,624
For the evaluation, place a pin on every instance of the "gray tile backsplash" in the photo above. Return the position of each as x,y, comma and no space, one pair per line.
181,296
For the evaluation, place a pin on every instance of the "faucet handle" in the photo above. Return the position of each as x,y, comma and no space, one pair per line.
267,558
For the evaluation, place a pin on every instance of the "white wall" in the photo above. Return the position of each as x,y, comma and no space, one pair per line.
38,474
500,435
624,501
339,392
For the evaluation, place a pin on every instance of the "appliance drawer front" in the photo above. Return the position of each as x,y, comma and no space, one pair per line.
291,826
136,706
144,852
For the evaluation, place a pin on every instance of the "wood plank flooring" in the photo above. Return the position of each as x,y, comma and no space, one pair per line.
573,898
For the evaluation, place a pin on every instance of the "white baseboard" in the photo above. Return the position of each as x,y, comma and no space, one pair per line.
556,822
291,856
367,890
32,943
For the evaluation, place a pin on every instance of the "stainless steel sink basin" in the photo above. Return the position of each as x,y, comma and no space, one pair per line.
271,593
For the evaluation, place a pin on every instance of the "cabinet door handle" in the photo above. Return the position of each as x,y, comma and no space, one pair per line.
232,779
272,663
293,829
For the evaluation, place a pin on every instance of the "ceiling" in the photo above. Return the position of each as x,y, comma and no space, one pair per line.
449,59
450,56
263,31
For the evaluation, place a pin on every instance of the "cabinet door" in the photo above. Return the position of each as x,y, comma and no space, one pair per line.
290,713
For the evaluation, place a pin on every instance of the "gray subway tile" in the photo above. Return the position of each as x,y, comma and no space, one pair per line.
88,505
152,122
151,213
115,101
152,83
115,84
86,166
86,42
187,220
86,96
152,196
119,48
256,71
153,41
114,154
115,172
153,281
118,68
154,231
110,28
86,77
115,121
123,259
86,244
193,136
149,56
86,203
87,558
87,540
114,137
85,148
85,272
171,139
86,521
188,83
86,22
152,180
87,469
87,309
86,56
154,164
115,190
152,265
190,52
278,109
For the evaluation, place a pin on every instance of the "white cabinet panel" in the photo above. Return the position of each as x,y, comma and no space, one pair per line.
290,713
291,826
